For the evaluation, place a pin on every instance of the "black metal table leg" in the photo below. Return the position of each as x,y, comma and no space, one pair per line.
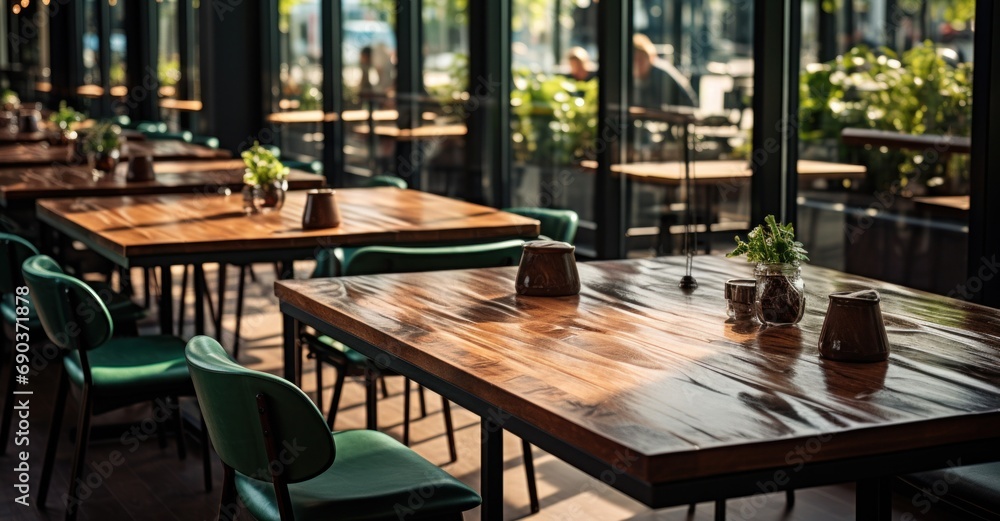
199,299
371,398
166,301
292,349
492,469
873,500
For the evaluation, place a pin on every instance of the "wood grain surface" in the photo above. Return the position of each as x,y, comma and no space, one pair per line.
635,366
172,224
172,177
165,150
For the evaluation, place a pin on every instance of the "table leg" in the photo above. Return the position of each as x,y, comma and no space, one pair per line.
166,301
199,299
292,349
371,397
873,500
491,469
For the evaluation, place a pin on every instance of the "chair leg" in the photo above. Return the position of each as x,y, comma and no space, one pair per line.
423,402
206,456
175,412
146,298
222,300
529,471
82,439
338,388
720,510
319,384
8,409
449,429
181,304
406,412
239,311
228,507
789,499
161,435
385,388
55,427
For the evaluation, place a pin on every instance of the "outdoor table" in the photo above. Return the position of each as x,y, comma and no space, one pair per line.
649,389
166,230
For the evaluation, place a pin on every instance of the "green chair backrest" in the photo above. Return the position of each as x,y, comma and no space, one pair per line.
397,259
227,394
71,313
558,225
151,126
185,136
15,250
313,167
207,141
387,180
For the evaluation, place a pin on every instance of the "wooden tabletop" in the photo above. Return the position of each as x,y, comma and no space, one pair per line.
166,150
635,366
721,171
414,134
23,137
132,229
172,177
880,138
954,202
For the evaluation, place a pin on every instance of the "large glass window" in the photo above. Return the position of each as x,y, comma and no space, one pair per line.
118,68
300,75
554,107
690,118
884,120
91,49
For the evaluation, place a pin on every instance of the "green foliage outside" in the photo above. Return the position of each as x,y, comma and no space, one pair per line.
553,115
771,243
168,72
918,93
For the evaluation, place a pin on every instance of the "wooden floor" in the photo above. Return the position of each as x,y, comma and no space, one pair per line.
153,484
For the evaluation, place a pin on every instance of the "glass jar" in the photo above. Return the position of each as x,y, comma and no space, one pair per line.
781,297
269,196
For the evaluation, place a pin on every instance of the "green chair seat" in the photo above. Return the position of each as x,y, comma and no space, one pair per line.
372,478
149,365
185,136
388,180
206,141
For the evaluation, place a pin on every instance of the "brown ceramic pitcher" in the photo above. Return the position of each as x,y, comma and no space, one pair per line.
853,330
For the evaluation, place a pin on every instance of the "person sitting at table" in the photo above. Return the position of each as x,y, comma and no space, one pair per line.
580,66
655,81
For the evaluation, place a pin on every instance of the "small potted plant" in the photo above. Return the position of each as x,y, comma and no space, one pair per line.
772,247
102,146
266,177
65,120
10,100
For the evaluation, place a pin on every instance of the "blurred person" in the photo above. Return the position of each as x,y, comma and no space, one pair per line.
656,82
580,66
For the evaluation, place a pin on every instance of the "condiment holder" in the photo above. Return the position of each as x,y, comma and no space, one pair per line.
547,269
740,297
853,330
321,210
140,169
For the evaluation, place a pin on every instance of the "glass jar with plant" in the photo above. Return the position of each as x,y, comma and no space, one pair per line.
266,176
772,247
65,120
102,146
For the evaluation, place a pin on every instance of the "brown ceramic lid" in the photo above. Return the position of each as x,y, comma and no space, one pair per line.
548,247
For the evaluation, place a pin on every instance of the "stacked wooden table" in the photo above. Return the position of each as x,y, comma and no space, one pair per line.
24,154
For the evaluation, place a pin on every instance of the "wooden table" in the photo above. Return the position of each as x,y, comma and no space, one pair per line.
952,202
23,137
318,116
23,154
723,171
165,230
650,390
415,134
27,184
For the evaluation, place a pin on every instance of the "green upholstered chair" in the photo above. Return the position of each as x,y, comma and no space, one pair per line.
184,135
284,463
205,141
14,250
149,126
558,225
110,372
313,167
393,259
387,180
